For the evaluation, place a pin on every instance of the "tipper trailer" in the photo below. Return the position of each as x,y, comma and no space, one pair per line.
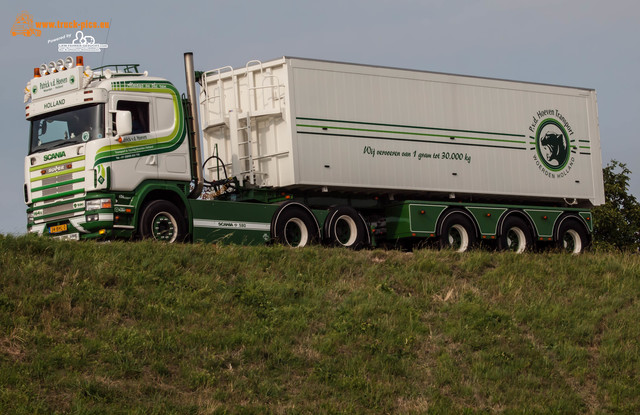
302,151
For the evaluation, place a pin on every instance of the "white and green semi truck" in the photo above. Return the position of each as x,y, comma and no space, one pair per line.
301,151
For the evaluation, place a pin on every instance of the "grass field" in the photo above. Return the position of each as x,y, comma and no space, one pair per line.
152,328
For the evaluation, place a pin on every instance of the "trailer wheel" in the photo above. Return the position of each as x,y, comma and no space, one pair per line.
516,236
294,225
345,227
572,237
457,233
161,220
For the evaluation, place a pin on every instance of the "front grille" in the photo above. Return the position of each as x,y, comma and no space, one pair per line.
58,189
59,208
56,179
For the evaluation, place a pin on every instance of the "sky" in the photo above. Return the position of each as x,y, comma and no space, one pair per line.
582,43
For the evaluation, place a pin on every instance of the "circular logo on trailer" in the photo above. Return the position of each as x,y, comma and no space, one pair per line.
552,144
34,90
72,79
85,136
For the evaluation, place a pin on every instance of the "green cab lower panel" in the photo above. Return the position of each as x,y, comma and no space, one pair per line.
231,222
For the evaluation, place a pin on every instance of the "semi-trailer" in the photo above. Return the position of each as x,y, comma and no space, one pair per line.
301,151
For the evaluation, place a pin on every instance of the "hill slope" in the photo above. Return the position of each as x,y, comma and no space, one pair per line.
153,328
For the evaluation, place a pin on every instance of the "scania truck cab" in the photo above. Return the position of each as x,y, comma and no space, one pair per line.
104,145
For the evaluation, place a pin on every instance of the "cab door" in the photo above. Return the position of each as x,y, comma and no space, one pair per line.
134,157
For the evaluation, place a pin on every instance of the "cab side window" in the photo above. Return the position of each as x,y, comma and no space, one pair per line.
139,115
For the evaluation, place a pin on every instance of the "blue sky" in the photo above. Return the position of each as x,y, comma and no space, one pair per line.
581,43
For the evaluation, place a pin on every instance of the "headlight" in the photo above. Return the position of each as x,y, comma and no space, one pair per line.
96,204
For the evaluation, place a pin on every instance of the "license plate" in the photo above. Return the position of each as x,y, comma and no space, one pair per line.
58,228
68,237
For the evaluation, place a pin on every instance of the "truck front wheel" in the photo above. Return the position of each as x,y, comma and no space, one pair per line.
457,233
161,220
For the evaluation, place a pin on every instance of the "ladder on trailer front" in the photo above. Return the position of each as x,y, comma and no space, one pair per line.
257,96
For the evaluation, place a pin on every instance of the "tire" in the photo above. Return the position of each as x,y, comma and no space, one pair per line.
294,225
457,232
516,235
572,237
162,220
345,227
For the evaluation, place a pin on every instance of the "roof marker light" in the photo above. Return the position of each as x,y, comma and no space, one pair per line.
60,65
52,67
79,61
36,72
68,62
43,69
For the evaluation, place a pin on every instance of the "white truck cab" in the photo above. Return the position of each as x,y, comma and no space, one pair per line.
98,140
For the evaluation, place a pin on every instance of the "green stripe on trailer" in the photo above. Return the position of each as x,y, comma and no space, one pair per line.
412,126
409,133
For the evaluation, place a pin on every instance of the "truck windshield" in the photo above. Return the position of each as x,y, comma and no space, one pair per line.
65,127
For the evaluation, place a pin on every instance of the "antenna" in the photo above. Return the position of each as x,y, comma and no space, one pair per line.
107,42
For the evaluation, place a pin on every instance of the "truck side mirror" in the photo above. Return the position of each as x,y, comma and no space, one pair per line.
123,123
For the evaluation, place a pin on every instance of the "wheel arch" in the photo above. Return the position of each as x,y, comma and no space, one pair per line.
168,193
335,210
569,216
518,214
456,210
295,205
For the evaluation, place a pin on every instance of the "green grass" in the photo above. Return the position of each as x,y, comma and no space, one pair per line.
150,328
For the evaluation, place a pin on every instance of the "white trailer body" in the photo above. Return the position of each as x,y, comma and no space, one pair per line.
301,124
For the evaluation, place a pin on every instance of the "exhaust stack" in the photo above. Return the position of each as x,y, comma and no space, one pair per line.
195,124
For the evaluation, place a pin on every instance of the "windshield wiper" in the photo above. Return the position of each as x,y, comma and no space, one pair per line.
62,144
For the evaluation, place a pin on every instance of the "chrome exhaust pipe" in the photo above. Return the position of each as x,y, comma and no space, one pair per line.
195,124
